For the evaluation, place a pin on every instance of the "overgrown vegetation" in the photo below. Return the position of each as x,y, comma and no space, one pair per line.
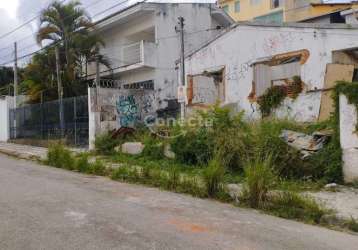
352,225
60,157
105,144
271,99
213,177
350,90
221,148
291,205
259,179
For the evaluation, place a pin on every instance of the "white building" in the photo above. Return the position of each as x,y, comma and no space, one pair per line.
239,65
143,45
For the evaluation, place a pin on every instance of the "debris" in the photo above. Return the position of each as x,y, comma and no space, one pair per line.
331,186
132,148
122,132
306,144
235,191
168,152
118,149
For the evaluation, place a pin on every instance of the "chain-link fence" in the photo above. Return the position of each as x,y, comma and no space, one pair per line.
42,121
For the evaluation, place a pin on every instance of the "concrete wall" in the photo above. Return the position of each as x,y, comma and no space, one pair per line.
111,109
6,102
349,138
238,49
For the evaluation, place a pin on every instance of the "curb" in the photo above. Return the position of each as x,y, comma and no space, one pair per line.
24,156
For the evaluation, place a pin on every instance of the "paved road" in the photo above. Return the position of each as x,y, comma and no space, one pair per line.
48,208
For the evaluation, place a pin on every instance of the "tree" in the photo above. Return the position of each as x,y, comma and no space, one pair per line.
39,77
6,79
70,28
63,24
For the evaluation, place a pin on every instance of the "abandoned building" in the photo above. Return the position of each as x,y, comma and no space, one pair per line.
239,65
142,43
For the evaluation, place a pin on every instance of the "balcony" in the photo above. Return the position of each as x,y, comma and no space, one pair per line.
129,57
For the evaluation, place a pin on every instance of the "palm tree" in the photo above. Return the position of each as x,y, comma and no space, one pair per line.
71,28
60,23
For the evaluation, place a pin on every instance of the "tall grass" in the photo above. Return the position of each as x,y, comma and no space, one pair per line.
259,179
213,176
60,157
291,205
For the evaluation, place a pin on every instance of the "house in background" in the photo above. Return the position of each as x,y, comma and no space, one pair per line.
279,11
142,43
307,59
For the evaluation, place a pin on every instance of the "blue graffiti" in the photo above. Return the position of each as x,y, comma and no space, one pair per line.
127,109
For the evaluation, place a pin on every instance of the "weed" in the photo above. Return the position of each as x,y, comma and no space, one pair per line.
82,164
97,168
105,144
352,225
213,176
153,148
173,178
291,205
60,157
121,174
193,147
259,178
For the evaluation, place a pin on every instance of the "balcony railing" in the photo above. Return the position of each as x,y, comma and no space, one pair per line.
128,57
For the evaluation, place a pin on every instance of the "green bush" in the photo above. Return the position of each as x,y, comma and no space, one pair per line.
153,148
266,141
233,147
82,164
352,225
97,168
105,144
259,179
60,157
193,147
291,205
213,176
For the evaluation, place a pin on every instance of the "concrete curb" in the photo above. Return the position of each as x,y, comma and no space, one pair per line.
21,155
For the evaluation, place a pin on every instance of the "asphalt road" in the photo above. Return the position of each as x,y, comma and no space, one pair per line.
48,208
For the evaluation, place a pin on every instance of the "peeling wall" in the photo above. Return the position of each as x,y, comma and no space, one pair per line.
243,45
349,138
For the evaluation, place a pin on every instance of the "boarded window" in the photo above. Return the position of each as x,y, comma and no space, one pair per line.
206,89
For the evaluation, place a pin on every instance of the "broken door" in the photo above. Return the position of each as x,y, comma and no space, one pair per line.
334,73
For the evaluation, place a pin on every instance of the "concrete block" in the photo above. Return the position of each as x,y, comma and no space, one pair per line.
132,148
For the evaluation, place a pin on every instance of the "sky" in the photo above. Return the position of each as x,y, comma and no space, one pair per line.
14,13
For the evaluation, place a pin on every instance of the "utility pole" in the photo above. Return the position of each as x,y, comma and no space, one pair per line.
59,89
98,85
182,63
15,75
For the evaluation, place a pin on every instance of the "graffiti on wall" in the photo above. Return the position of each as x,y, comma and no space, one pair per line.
132,109
127,109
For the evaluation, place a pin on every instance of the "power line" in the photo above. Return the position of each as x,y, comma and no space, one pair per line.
51,45
24,24
34,34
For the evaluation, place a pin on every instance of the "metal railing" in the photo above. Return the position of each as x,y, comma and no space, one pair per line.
42,121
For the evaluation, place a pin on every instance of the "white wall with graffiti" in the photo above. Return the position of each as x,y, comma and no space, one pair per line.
245,44
113,108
